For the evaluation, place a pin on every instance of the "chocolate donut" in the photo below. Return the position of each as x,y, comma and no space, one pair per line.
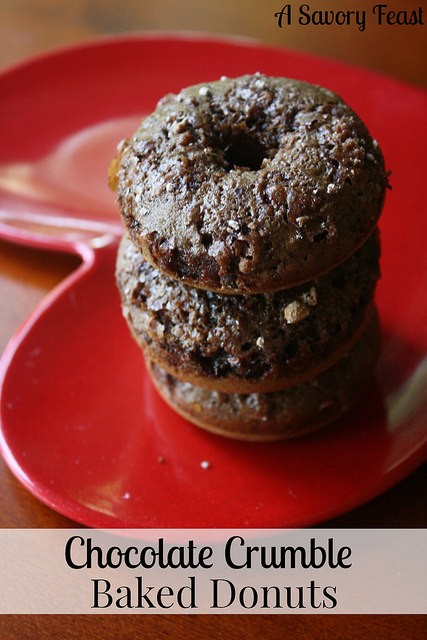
236,343
249,185
283,414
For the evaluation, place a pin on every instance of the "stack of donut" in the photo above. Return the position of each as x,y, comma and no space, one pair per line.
249,264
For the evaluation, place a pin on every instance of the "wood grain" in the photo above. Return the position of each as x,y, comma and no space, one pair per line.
29,27
32,26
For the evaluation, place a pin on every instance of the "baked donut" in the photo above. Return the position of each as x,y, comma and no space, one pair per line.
281,415
249,185
236,343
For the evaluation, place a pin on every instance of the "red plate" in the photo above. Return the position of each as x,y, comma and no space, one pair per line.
81,425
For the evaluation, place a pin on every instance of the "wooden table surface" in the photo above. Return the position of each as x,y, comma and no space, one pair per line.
28,27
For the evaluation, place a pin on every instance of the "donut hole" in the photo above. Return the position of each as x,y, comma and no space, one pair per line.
206,239
244,152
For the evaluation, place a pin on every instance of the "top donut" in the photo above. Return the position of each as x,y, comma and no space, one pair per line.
249,185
